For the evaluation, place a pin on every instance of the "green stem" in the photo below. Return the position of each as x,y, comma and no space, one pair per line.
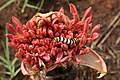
6,4
24,5
41,5
31,6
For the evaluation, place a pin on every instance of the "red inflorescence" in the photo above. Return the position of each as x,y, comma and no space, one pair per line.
34,41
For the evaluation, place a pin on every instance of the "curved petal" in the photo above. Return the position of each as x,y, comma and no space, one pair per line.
95,61
23,69
26,70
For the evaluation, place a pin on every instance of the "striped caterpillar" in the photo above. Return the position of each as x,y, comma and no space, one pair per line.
65,40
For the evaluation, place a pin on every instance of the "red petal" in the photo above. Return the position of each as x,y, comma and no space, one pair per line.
52,67
95,61
53,52
50,33
11,28
35,67
29,25
74,13
89,40
95,29
12,45
59,57
44,31
64,59
64,46
87,14
16,21
90,25
46,57
10,36
77,60
87,50
41,63
89,19
86,27
19,30
95,35
61,10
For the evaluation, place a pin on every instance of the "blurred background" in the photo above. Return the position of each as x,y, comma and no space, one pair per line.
105,12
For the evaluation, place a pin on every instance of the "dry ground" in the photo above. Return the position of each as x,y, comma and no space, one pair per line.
105,12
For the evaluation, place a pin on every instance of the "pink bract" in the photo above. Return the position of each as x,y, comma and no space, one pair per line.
37,50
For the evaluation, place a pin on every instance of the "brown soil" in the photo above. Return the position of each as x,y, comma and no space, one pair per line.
104,12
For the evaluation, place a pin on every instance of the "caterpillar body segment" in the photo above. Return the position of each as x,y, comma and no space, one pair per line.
65,40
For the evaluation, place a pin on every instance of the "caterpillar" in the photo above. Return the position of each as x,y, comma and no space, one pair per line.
65,40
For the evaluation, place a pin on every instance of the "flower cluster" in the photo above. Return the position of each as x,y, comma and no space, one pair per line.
34,41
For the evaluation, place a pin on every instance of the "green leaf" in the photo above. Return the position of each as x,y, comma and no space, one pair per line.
7,67
7,54
4,48
12,70
14,61
8,73
3,59
17,71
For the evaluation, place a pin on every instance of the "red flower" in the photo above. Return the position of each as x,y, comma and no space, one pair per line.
37,49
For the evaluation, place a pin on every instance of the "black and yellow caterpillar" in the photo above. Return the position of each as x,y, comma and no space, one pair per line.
65,40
